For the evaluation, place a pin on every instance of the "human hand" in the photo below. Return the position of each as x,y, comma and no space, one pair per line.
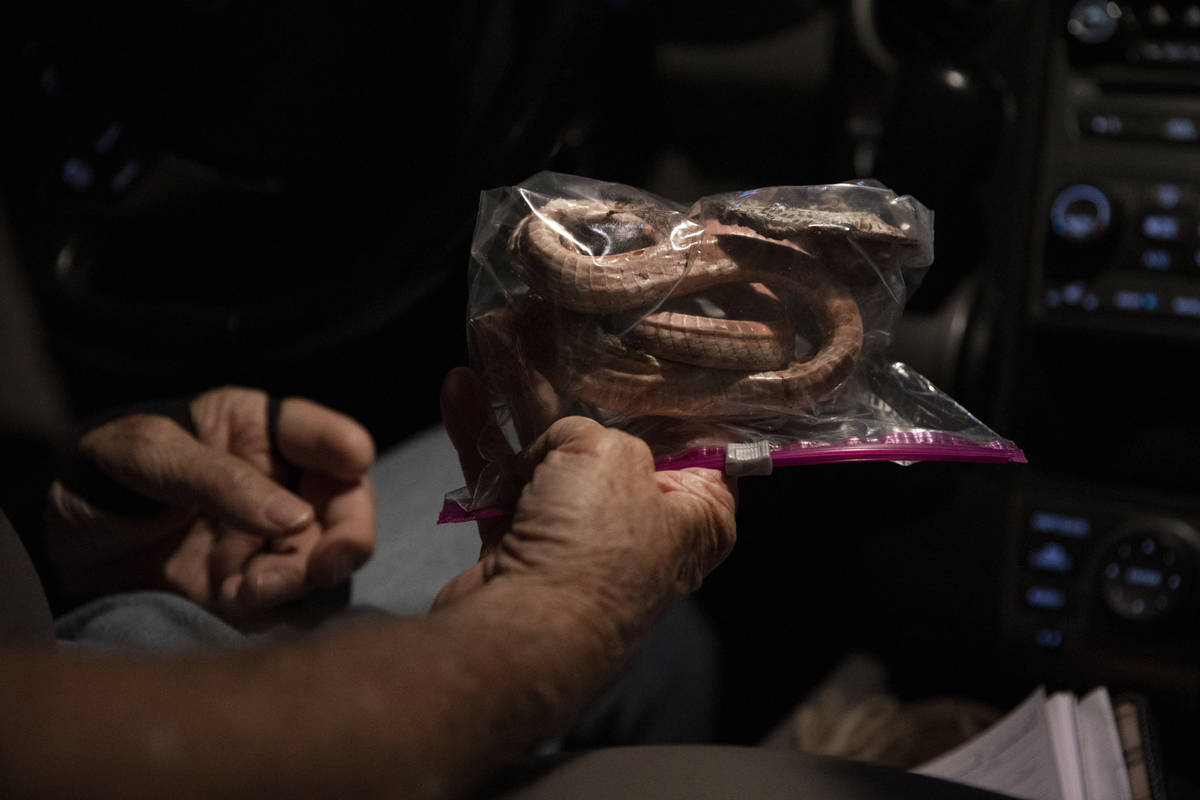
594,516
231,537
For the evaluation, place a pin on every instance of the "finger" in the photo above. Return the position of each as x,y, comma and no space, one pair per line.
483,453
185,567
532,401
703,507
314,437
94,551
460,585
231,551
94,533
471,423
348,540
671,479
155,456
567,433
273,579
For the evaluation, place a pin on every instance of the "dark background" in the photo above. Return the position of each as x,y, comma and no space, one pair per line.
282,194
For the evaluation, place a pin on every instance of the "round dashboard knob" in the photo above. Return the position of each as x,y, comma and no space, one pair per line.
1082,225
1146,574
1093,21
1081,214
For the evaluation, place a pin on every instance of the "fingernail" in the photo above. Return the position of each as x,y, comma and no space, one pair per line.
452,399
270,586
287,512
230,588
343,567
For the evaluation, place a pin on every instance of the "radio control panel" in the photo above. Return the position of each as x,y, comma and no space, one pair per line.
1093,575
1117,228
1125,246
1102,565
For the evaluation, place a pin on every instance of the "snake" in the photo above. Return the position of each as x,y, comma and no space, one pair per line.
668,360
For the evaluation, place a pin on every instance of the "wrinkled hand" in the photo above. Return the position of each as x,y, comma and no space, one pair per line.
594,516
232,537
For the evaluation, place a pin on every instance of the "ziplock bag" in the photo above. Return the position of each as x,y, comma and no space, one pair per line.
747,331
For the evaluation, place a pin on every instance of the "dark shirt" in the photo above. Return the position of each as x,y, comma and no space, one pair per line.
24,611
34,421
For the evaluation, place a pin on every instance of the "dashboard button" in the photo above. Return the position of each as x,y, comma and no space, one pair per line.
1046,598
1179,128
1050,638
1187,306
1093,21
1051,557
1083,223
1071,525
1107,125
1144,577
1162,227
1137,300
1156,259
1166,196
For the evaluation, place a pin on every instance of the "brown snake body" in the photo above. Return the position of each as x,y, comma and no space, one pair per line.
684,364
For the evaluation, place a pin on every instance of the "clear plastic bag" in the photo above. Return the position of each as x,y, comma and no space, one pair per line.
748,331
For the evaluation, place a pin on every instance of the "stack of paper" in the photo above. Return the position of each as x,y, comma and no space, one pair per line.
1048,748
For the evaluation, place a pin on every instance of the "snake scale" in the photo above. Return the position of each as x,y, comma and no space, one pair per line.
615,330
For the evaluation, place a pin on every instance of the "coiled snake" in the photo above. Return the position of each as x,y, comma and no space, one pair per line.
665,359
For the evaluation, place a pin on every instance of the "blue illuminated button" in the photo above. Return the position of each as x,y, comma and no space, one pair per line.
1106,124
1185,306
1051,557
1144,576
1156,259
1060,524
1161,227
1132,300
78,174
1046,598
1050,638
1093,21
1081,213
1166,195
1180,129
125,176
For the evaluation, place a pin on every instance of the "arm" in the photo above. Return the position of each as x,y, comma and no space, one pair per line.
599,546
412,708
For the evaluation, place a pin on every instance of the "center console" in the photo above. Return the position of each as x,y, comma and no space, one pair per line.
1102,549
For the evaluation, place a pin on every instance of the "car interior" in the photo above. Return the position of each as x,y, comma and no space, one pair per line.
283,195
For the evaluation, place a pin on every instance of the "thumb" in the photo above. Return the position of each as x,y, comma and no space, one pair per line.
702,503
461,585
155,456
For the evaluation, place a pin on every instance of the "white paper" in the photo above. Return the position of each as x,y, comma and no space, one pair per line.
1100,748
1015,756
1060,715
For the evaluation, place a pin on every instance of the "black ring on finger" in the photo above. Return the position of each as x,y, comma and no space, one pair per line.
274,405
